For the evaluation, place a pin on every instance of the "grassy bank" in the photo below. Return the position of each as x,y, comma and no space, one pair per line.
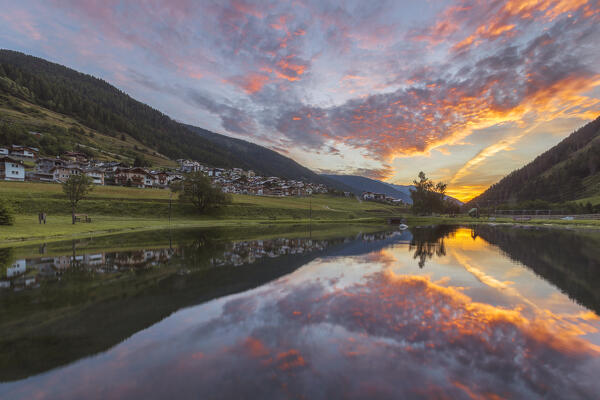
116,209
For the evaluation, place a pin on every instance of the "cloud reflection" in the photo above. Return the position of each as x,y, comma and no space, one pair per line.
387,336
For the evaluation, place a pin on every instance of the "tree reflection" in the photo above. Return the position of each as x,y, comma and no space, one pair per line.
429,241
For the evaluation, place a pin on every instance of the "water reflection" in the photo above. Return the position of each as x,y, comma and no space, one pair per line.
570,260
198,253
96,299
429,241
354,315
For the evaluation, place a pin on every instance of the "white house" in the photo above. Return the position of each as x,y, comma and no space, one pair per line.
148,180
11,169
97,176
368,196
18,267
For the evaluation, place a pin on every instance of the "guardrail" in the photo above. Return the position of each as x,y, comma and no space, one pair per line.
555,216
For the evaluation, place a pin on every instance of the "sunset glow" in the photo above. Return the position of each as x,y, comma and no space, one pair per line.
465,90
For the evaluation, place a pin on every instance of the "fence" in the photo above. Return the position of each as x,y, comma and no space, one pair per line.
529,214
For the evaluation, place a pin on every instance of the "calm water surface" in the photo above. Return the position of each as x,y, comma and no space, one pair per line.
439,312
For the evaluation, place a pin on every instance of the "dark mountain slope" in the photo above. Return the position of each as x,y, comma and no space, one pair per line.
258,158
360,184
568,171
97,105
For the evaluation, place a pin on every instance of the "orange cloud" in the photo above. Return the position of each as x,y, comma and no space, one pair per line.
247,8
483,32
250,83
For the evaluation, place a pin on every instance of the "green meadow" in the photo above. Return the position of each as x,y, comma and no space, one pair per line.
121,209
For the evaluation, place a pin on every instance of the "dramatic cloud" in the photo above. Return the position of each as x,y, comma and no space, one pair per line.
390,80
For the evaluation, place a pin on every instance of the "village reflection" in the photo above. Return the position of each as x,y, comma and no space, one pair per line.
200,252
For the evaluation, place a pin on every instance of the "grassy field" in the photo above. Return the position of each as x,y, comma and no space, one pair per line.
119,209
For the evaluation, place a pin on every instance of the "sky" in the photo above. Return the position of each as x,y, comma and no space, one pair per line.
465,91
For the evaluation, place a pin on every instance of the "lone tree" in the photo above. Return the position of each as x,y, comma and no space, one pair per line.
428,196
197,189
76,188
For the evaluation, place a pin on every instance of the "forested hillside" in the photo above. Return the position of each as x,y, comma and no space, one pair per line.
259,158
100,106
73,109
568,171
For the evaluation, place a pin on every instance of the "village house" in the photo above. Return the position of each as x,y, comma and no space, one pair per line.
189,166
46,164
62,174
379,197
39,176
97,175
18,267
161,179
11,169
75,156
137,177
23,152
215,172
368,196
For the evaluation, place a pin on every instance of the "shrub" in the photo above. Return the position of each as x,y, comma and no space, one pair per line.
7,214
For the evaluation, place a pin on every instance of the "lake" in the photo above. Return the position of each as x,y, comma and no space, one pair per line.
304,312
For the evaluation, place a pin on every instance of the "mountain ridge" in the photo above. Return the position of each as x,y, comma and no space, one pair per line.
567,171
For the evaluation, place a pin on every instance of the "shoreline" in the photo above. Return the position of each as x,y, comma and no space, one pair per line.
413,221
10,236
27,231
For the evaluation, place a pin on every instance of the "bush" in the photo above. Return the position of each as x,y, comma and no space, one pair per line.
7,214
197,189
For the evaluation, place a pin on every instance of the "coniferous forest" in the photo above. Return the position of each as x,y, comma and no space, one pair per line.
568,171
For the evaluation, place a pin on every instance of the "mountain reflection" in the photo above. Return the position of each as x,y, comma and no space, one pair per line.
569,260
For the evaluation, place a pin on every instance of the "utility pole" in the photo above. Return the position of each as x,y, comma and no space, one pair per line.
170,201
310,215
